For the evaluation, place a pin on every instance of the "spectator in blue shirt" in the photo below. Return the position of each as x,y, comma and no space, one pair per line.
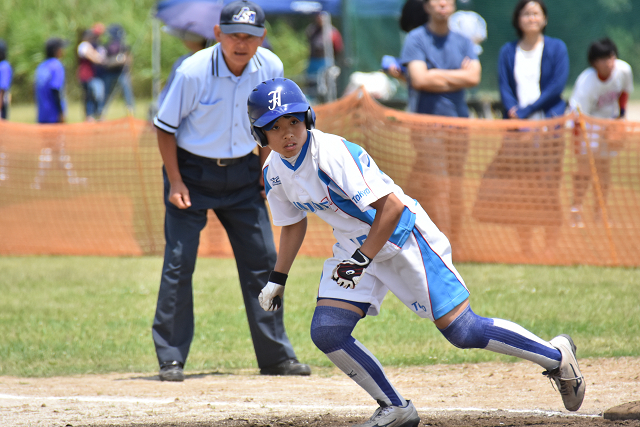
6,73
49,88
441,64
49,83
5,84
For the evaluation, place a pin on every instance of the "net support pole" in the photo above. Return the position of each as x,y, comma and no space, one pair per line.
155,63
598,190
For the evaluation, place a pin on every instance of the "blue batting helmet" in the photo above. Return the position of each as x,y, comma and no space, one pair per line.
273,99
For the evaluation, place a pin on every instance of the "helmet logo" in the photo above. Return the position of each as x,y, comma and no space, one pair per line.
245,16
276,100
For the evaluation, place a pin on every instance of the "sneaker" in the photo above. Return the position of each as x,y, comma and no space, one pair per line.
567,376
393,416
288,367
171,371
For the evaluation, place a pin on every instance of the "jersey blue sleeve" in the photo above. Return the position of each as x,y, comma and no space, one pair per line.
350,173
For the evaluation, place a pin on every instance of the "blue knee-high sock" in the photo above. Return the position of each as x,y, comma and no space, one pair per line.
501,336
331,329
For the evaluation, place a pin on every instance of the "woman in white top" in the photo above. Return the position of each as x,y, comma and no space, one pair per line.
533,70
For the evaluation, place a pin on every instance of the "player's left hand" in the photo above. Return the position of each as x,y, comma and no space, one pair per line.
271,296
349,272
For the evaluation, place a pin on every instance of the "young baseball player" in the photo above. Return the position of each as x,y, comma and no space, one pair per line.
6,74
385,242
602,91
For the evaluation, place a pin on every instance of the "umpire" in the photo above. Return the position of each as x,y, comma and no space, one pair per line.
206,145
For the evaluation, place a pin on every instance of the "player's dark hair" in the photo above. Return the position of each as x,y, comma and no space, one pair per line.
515,20
52,46
50,50
3,50
599,49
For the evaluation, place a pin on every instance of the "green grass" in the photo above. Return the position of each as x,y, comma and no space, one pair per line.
78,315
26,112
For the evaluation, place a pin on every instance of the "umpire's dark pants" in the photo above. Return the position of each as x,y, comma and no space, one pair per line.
234,195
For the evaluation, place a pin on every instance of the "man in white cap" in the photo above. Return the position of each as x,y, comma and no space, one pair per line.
205,141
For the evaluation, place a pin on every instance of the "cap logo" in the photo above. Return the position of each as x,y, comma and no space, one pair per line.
245,16
276,100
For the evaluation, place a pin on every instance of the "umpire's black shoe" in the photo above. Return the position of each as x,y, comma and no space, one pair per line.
288,367
171,371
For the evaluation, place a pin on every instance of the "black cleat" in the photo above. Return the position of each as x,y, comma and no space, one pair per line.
171,371
288,367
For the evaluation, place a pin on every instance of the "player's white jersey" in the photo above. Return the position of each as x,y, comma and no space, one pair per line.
599,98
337,180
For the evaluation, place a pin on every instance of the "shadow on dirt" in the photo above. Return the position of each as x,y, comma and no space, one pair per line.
448,421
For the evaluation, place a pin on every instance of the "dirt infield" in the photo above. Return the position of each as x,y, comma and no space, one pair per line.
488,394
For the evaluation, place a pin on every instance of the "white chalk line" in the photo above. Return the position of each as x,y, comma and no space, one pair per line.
98,399
252,405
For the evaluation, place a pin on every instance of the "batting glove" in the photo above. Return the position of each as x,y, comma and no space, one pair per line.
271,296
349,272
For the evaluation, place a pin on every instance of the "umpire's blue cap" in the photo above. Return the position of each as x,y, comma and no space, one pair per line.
242,16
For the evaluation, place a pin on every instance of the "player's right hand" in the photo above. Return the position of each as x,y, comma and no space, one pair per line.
179,195
271,296
349,272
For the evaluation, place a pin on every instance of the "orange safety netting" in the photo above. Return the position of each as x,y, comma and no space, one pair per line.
501,190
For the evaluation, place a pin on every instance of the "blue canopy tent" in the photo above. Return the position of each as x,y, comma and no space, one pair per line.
199,16
195,16
283,7
334,7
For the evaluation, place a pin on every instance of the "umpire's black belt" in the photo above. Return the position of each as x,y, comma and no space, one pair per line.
208,160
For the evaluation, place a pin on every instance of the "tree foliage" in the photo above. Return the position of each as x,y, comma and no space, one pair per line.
26,24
